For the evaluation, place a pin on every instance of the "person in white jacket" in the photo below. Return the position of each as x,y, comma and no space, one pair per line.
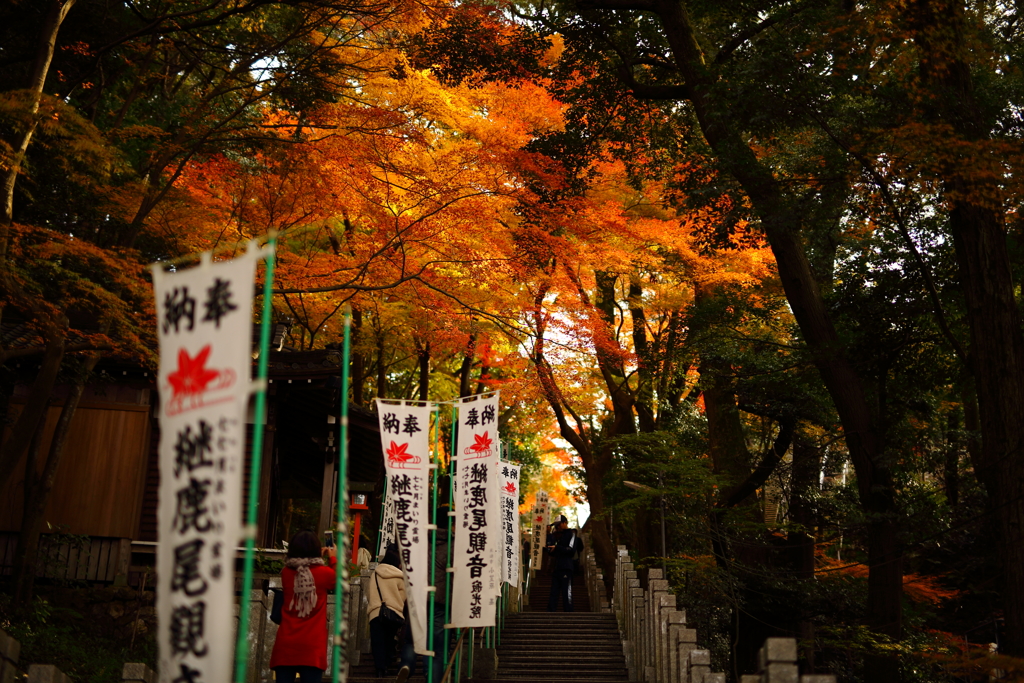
386,588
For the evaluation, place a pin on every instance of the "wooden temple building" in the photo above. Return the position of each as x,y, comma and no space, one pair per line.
105,493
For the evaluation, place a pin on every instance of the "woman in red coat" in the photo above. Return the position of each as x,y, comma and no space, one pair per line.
300,648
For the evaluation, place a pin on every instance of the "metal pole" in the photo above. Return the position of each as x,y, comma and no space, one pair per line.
242,646
342,531
433,554
664,552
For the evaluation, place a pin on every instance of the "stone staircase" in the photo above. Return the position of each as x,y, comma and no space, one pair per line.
548,647
552,647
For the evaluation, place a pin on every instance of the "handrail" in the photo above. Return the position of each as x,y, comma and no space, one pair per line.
452,657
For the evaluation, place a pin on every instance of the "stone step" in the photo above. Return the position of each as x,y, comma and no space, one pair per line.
581,646
506,659
565,672
548,640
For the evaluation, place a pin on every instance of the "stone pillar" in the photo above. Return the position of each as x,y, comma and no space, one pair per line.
631,591
259,606
666,603
777,660
687,645
46,673
355,616
657,586
675,622
137,673
637,611
10,653
700,665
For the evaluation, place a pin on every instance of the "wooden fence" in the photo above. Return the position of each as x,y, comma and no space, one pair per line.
85,558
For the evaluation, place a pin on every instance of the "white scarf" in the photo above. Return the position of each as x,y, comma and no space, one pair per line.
304,590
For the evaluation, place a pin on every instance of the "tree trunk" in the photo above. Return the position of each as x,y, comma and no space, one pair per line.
600,529
800,539
35,407
466,367
47,43
37,495
26,551
358,357
976,222
424,364
782,224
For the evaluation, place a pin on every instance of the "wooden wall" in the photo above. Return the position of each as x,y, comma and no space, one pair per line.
101,478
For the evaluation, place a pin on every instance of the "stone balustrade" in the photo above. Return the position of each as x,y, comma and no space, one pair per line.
659,645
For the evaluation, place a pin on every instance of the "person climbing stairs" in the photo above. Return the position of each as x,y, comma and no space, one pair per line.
551,647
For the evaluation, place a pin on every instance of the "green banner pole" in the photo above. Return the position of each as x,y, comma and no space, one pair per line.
242,646
341,535
432,605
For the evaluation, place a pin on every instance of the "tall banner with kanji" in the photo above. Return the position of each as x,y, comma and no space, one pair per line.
477,513
387,525
539,523
405,436
204,316
510,523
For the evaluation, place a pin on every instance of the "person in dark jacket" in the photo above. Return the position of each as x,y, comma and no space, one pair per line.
386,588
563,548
440,600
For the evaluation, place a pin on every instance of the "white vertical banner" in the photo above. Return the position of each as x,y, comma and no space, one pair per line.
204,316
387,523
477,580
405,436
539,521
510,523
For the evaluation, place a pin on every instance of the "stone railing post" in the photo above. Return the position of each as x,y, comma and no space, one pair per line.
355,616
619,589
135,672
663,607
363,626
777,664
700,665
46,673
10,653
675,624
259,641
687,644
637,608
627,581
657,586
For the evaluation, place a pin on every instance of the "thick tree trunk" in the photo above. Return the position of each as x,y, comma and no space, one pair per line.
997,349
37,492
424,382
465,369
997,343
12,450
782,224
600,529
800,539
358,357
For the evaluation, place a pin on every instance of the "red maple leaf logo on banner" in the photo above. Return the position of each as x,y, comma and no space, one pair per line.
510,487
481,447
540,518
191,382
400,457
